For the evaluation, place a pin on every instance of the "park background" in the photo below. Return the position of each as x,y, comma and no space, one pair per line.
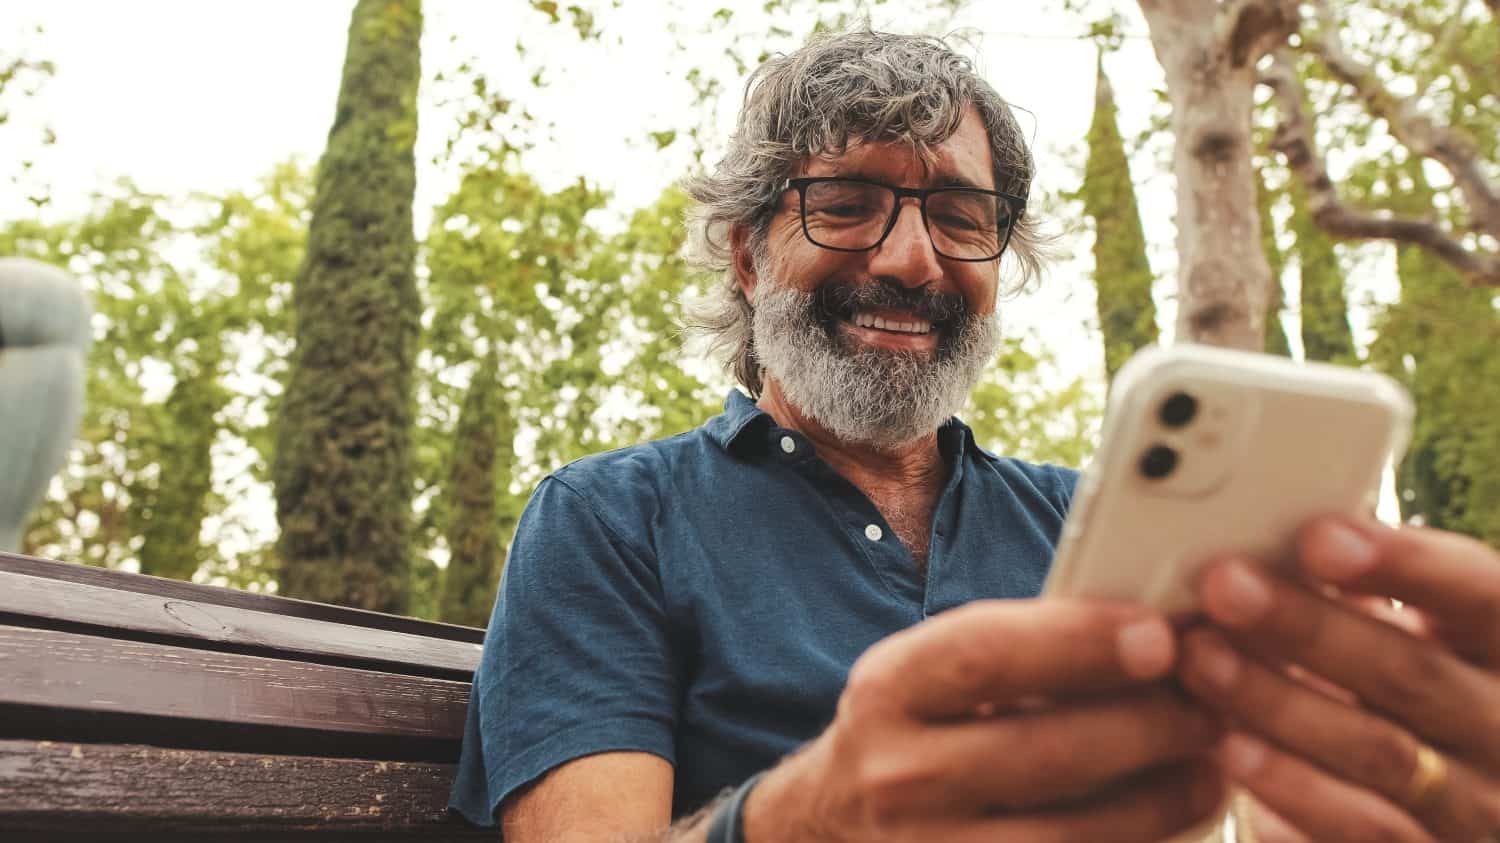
165,152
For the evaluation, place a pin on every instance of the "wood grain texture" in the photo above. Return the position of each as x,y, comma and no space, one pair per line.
93,788
123,581
48,668
188,621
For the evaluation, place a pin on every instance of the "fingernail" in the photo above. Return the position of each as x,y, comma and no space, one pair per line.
1243,756
1243,595
1146,648
1339,553
1212,660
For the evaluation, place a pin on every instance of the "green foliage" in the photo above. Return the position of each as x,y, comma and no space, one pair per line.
1440,340
1122,273
180,307
342,469
168,511
1017,410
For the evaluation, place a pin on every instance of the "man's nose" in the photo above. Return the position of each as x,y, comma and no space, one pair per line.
907,254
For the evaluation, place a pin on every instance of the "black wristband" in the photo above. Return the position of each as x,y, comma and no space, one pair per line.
728,825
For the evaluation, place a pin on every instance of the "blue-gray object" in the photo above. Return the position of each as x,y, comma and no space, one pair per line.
44,338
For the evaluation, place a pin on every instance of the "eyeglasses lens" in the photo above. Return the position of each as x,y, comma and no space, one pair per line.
967,225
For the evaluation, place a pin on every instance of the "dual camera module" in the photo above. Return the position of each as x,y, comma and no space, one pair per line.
1174,413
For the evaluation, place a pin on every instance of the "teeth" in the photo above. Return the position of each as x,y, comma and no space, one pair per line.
868,320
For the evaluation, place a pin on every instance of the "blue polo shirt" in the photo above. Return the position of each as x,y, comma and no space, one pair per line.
703,597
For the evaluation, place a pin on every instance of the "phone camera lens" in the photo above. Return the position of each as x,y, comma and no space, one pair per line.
1178,409
1158,462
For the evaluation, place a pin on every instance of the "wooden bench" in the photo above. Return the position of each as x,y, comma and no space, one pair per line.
134,706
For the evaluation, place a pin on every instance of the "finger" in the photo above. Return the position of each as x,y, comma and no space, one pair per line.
1047,757
1452,577
1255,822
1417,683
1350,743
1320,805
1004,651
1156,807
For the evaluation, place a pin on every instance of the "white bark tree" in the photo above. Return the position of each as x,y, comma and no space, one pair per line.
1209,51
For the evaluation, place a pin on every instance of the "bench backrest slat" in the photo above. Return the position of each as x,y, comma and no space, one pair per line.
94,789
289,607
86,673
72,605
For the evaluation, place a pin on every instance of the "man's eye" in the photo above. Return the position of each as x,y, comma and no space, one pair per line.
959,222
846,209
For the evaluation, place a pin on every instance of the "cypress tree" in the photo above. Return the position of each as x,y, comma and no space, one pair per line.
1325,308
479,461
342,465
1122,273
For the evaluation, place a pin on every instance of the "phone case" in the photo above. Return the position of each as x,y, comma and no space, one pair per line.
1267,444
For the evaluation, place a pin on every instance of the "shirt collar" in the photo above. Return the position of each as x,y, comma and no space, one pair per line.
743,423
740,419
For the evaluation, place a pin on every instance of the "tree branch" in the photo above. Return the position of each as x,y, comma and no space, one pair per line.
1249,29
1294,138
1414,130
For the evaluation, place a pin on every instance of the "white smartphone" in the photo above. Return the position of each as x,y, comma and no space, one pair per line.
1207,452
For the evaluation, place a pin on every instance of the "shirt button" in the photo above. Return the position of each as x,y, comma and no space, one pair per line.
788,444
873,532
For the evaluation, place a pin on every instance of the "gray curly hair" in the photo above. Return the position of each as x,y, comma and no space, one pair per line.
837,89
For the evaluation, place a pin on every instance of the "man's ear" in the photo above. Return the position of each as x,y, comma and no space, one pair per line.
743,261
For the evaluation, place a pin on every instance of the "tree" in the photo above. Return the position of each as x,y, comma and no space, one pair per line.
188,291
1122,272
1209,52
1440,340
342,466
480,462
1446,56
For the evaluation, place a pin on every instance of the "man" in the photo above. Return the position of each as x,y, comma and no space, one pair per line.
799,622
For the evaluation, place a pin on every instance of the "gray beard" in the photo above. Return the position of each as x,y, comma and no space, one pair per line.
863,395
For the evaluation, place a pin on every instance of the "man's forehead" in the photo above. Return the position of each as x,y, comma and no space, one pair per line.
884,161
961,159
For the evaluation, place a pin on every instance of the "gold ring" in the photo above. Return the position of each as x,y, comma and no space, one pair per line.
1429,777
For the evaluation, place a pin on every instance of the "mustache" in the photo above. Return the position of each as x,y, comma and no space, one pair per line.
840,301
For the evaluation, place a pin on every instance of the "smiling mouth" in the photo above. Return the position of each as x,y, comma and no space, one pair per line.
890,323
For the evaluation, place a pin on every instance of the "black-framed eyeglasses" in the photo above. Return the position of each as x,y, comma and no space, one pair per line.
855,215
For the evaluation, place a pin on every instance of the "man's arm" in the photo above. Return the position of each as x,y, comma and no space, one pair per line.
936,738
620,797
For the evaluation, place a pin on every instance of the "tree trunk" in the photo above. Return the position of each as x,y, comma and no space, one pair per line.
1209,52
1122,273
343,464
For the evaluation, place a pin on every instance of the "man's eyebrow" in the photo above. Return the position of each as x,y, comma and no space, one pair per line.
950,180
958,181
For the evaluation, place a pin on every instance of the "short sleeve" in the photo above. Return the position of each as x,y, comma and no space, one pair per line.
576,660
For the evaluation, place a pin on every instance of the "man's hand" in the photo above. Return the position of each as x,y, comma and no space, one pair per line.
1017,721
1355,723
